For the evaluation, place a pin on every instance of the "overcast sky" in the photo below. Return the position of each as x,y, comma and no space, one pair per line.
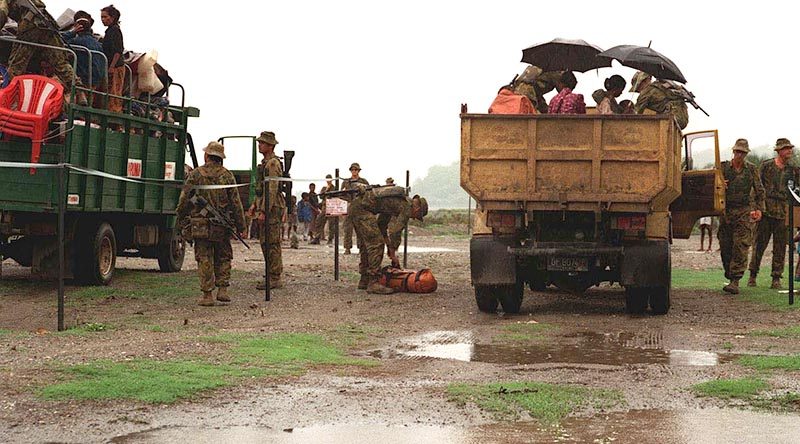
381,83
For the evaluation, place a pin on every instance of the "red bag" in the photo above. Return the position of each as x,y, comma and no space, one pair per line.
409,281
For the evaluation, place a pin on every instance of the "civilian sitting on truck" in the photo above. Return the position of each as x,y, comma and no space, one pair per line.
567,102
607,98
507,102
659,97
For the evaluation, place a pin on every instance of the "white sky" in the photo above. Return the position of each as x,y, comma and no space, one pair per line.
381,83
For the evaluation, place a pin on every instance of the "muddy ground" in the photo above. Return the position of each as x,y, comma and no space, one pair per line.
423,343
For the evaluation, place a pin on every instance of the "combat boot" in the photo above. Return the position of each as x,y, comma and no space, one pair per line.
363,283
732,287
222,294
207,300
275,283
375,287
776,283
752,281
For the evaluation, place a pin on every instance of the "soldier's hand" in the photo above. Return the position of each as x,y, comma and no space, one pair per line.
755,215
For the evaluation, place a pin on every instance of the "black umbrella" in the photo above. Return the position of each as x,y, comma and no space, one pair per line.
565,55
644,59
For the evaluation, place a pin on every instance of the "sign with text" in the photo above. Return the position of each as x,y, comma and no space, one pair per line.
169,170
335,207
135,168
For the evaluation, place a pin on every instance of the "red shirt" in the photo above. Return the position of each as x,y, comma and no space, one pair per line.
509,103
566,102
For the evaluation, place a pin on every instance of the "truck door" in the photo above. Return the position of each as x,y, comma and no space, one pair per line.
702,189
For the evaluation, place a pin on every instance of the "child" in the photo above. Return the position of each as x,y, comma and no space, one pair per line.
305,214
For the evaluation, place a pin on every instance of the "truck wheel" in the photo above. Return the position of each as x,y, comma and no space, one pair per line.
511,298
636,300
486,297
96,255
659,300
171,251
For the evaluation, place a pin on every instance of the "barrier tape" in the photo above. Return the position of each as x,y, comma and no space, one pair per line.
794,194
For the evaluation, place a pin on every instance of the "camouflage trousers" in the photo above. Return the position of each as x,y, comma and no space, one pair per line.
370,243
319,225
273,253
213,263
348,232
770,227
735,236
21,56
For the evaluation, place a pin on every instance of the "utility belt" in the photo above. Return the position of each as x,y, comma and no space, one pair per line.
204,229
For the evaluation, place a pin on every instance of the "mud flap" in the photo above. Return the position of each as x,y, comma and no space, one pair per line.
646,264
490,261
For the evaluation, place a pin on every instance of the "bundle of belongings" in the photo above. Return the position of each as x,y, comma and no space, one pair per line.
409,281
508,102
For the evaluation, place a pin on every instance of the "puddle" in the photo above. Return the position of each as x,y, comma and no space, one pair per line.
580,348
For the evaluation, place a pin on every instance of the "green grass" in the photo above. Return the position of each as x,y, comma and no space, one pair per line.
787,402
523,332
549,403
4,332
292,352
714,280
349,335
746,388
144,380
144,285
85,329
791,363
727,346
788,332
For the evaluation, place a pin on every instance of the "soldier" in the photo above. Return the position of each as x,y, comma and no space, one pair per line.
657,96
393,218
735,232
36,25
774,174
270,166
384,203
347,184
534,84
212,242
333,223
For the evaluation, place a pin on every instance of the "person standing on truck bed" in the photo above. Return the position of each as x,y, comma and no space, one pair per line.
212,241
658,97
566,101
113,47
270,166
347,184
774,174
742,210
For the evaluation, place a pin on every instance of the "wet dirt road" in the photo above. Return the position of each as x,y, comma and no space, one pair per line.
423,343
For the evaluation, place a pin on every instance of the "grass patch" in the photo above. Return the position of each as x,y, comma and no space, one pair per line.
85,329
156,329
523,332
291,353
548,403
350,276
4,332
350,335
144,380
791,363
714,280
727,346
144,285
745,388
787,402
788,332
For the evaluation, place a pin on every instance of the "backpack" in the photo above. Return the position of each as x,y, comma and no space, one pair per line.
409,281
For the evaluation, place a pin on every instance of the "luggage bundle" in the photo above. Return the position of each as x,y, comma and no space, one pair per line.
409,281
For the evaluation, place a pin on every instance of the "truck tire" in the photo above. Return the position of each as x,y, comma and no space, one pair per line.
486,298
95,254
636,300
511,298
659,300
171,251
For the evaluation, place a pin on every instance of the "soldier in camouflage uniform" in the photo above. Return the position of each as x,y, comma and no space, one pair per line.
212,242
392,220
270,166
658,97
534,84
774,175
364,207
349,184
36,25
333,222
742,210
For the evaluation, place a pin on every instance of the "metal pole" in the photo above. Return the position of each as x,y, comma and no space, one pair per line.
469,216
61,210
791,245
266,237
405,231
336,238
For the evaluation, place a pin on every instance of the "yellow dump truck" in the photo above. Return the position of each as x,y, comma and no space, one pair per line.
576,200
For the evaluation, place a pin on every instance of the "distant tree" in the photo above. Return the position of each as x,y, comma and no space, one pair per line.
442,187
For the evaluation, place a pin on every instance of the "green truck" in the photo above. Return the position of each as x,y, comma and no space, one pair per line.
105,217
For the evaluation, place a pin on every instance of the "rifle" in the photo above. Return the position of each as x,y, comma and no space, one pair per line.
286,187
48,19
216,217
355,190
684,93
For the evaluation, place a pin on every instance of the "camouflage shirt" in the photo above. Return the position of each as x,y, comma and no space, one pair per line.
740,183
774,180
393,211
348,184
273,167
227,200
658,97
25,17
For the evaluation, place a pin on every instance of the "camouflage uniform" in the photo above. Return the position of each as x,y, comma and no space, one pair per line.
213,254
393,218
348,184
273,167
534,84
773,223
658,97
735,232
319,223
36,28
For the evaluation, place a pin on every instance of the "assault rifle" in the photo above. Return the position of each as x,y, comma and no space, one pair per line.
684,93
51,23
286,187
352,191
216,217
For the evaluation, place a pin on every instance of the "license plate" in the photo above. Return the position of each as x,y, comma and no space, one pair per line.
555,263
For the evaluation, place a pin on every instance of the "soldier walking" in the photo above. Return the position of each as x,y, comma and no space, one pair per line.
742,211
348,184
270,166
212,241
774,175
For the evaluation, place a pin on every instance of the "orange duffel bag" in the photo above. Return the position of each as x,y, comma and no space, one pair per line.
409,281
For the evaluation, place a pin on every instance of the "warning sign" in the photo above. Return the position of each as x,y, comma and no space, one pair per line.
335,207
134,168
169,170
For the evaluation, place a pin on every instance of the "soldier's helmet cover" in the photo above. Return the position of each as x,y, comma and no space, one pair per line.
423,205
267,137
638,79
215,149
741,145
355,165
783,143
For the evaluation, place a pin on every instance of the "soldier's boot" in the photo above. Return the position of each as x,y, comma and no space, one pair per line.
275,282
776,283
363,283
207,300
375,287
732,287
752,281
222,294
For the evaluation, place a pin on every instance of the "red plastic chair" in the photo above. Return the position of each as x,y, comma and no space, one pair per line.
27,106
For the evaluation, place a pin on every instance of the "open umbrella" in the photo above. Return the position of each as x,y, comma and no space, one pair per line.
644,59
565,55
